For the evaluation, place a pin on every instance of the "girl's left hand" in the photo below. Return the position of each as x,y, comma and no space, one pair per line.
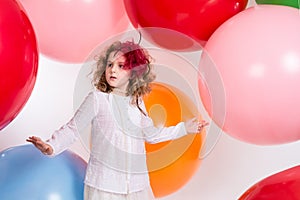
194,125
41,145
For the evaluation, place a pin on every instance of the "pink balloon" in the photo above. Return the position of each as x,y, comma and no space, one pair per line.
257,54
282,185
69,30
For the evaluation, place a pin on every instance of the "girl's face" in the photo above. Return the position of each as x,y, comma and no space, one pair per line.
116,76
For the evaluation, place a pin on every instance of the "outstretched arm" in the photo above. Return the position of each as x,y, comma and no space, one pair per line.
62,138
41,145
154,135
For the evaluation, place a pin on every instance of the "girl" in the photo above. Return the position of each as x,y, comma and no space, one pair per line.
117,167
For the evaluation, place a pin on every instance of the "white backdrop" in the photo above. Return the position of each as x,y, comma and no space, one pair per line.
226,173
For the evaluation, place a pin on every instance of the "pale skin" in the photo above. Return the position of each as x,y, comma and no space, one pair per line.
41,145
118,78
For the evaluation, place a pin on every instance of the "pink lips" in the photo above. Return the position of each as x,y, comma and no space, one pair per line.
112,78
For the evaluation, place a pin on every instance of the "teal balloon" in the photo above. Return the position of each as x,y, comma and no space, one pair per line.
27,174
292,3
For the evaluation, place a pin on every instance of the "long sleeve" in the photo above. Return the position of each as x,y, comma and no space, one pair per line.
154,134
61,139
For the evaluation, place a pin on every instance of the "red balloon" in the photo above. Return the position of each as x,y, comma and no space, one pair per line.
283,185
18,60
176,25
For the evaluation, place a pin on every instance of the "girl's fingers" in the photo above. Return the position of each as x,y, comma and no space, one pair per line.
205,123
40,144
36,141
32,139
201,125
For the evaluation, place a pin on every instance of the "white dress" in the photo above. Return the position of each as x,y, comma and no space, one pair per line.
91,193
117,167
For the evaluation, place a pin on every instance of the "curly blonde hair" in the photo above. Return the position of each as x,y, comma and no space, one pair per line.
137,60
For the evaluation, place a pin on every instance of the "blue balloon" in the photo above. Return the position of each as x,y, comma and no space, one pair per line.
27,174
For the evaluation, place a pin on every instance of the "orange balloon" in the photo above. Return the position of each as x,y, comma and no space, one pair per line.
171,164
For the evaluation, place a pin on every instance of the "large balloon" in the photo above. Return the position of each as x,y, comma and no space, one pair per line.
68,30
171,164
180,25
18,60
293,3
257,54
282,185
27,174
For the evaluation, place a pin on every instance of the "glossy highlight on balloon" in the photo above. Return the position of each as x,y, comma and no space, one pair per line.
260,74
171,164
180,26
26,173
18,60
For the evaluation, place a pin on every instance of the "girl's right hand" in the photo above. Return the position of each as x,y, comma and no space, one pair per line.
41,145
194,125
